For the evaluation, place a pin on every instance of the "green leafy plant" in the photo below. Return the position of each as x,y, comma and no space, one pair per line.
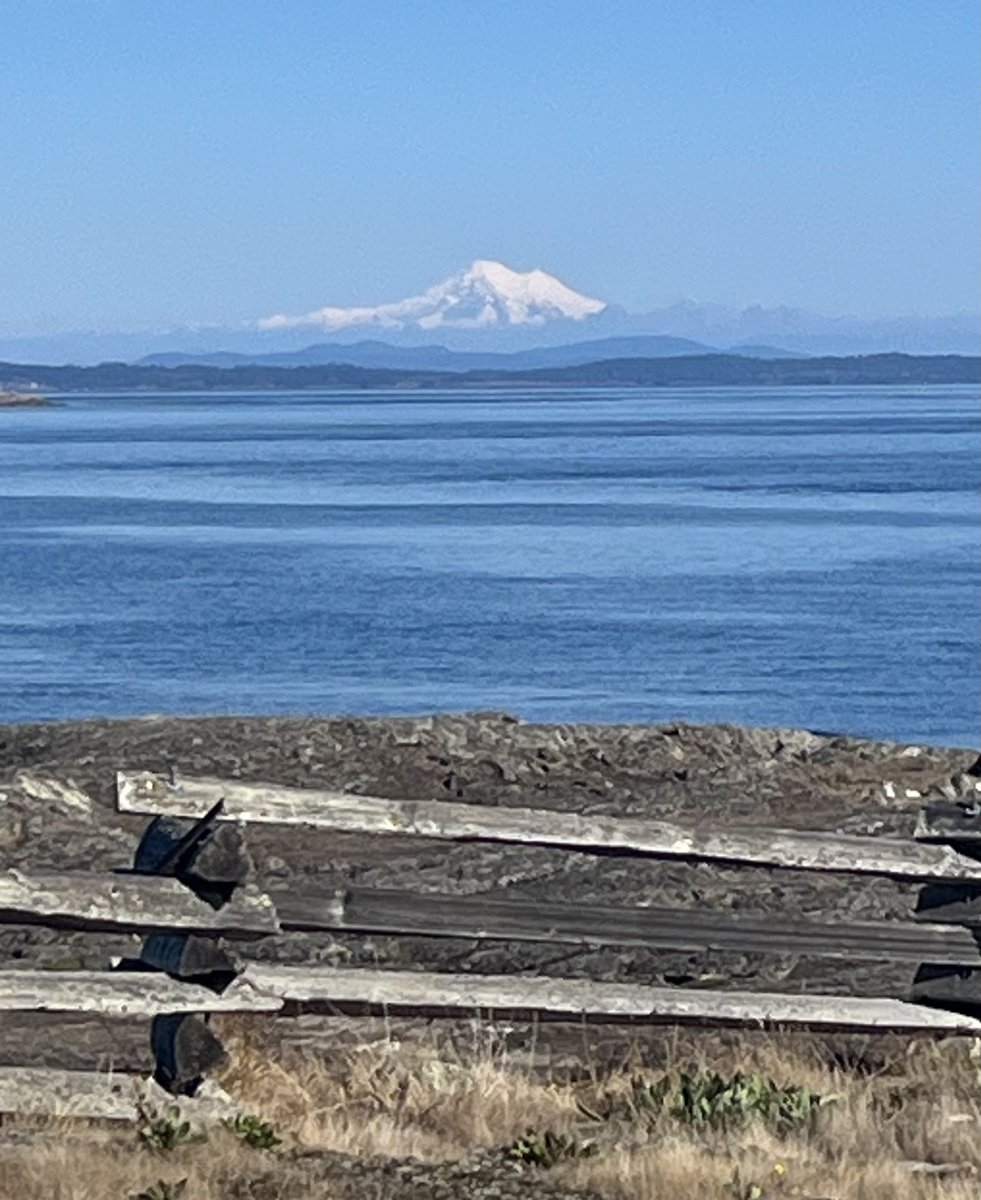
547,1149
162,1190
255,1132
710,1099
165,1131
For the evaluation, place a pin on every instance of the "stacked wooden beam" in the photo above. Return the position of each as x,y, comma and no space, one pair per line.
191,892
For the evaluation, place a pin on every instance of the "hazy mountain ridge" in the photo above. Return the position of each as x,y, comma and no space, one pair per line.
704,370
439,358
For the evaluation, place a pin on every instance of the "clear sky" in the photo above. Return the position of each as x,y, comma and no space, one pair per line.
166,161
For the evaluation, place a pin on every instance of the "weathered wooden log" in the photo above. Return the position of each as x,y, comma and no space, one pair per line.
432,914
75,1041
118,994
104,901
185,1050
811,851
433,994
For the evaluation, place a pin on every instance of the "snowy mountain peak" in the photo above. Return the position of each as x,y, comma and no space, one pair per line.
487,295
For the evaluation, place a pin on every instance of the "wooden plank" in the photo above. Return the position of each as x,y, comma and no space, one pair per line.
370,910
119,994
104,901
435,993
264,987
94,1095
75,1042
146,792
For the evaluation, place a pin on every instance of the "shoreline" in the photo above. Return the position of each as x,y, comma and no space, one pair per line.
24,400
891,369
711,729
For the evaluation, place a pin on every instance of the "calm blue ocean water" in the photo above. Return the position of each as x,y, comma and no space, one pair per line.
805,557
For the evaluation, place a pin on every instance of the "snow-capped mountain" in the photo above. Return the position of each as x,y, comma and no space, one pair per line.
487,295
490,310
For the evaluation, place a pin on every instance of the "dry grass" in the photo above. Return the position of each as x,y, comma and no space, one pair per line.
918,1102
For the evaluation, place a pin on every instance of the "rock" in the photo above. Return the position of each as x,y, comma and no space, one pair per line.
63,795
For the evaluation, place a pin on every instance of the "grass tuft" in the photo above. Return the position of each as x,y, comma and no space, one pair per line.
751,1117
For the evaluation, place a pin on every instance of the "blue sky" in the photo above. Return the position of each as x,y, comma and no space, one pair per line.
211,161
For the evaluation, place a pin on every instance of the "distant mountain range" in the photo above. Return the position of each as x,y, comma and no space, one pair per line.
490,311
705,370
439,358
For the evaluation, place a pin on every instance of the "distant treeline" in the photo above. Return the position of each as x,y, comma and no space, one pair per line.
707,370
